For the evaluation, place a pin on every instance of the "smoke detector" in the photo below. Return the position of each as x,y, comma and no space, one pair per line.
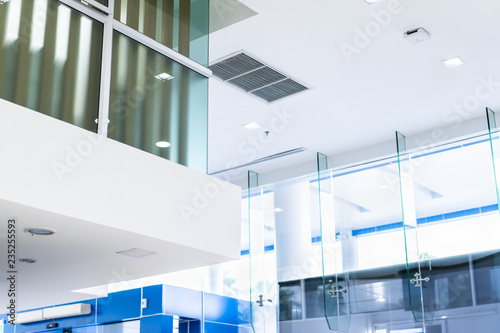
416,36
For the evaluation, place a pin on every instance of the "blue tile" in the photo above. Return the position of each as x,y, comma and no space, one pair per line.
182,302
490,208
157,324
154,295
462,213
225,328
225,310
119,306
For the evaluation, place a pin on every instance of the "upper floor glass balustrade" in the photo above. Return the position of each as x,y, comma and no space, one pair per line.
181,25
50,60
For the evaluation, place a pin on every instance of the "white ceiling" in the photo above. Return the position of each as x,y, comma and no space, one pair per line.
390,85
80,255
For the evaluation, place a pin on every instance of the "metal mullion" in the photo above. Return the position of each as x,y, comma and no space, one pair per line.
99,6
92,13
105,91
160,48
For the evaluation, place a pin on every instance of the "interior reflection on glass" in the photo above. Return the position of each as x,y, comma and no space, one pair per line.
51,60
181,25
158,105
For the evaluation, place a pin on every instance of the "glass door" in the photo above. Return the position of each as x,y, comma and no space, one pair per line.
451,226
415,281
364,262
262,259
335,280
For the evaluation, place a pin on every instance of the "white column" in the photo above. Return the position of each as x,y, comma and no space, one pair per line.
293,232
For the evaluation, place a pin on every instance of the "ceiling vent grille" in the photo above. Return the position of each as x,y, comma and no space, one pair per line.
256,78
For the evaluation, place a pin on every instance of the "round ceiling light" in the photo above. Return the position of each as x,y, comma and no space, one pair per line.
40,231
28,261
163,144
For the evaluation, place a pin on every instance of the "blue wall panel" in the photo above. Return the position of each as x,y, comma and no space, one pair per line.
225,328
182,302
157,324
226,310
119,306
154,295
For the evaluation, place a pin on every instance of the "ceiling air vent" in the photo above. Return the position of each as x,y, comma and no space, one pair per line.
255,77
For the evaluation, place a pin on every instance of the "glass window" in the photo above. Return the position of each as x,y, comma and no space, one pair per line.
179,25
51,60
290,300
158,105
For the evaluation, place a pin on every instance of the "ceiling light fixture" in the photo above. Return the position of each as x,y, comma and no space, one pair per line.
453,62
164,77
371,2
28,261
136,253
252,126
278,210
40,231
163,144
380,299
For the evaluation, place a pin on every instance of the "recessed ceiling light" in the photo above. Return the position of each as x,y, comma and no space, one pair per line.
163,144
28,261
371,2
252,126
136,253
40,231
380,299
164,77
444,317
452,62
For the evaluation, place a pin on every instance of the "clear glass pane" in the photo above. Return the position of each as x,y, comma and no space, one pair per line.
414,297
264,301
457,221
178,24
334,281
158,105
51,60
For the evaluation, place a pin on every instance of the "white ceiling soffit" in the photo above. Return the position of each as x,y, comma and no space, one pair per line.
224,13
254,77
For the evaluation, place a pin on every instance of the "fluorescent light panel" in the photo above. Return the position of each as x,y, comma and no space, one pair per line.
252,126
453,62
136,253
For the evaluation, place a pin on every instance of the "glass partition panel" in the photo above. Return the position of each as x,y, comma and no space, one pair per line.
181,25
51,60
262,258
334,280
158,105
414,297
457,227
